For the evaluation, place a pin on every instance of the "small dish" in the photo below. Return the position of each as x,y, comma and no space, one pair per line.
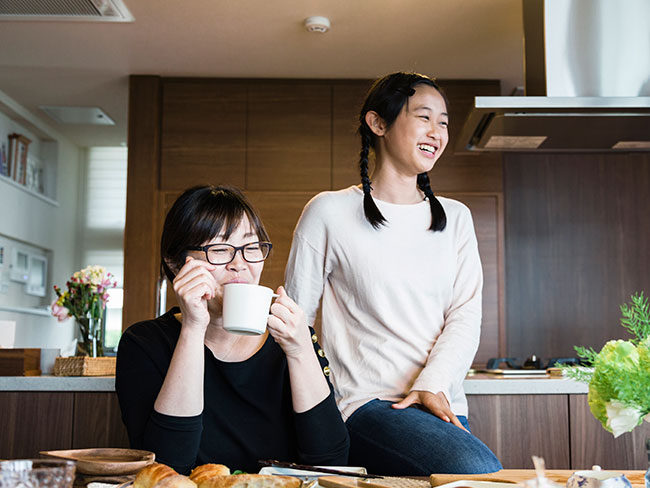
105,461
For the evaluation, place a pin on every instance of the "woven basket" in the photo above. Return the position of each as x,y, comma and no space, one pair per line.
84,366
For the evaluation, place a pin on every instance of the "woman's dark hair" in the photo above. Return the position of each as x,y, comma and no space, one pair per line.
387,97
197,216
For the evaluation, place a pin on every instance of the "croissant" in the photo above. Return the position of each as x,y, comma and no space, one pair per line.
175,481
205,471
250,481
148,476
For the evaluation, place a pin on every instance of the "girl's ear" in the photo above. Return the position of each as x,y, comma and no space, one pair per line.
376,123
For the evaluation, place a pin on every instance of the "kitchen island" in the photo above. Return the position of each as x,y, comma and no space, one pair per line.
515,416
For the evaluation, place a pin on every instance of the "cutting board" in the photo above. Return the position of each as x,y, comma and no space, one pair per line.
347,482
504,476
520,475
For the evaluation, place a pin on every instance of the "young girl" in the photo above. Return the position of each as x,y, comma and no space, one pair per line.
400,278
194,393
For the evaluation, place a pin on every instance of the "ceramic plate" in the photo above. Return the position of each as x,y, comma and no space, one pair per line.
309,475
104,462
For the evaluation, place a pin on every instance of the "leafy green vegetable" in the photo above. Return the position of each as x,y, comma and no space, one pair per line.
619,383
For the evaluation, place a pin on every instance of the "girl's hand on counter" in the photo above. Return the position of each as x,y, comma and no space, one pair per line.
436,403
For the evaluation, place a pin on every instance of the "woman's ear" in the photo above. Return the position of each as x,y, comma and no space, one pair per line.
376,123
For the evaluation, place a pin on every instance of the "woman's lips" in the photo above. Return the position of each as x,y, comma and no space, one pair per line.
236,280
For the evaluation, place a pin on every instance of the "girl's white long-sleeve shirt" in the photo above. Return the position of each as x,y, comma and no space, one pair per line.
401,305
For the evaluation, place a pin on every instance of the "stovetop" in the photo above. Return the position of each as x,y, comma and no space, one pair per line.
532,362
525,366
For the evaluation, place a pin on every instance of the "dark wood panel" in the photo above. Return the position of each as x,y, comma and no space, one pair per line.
578,234
592,444
140,239
488,219
347,100
289,137
478,172
203,134
279,212
31,422
518,426
97,421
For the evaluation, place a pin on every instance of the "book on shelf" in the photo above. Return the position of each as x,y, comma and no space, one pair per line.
4,159
18,147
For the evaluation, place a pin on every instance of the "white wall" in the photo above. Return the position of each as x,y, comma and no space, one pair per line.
26,218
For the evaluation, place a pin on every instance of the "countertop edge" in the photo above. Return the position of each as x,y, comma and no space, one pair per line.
57,383
474,385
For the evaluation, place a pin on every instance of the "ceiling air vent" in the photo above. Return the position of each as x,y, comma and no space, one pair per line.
82,10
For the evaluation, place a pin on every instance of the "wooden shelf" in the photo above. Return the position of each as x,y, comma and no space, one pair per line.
30,311
40,196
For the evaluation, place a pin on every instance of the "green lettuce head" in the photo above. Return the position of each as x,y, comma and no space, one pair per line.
619,354
615,364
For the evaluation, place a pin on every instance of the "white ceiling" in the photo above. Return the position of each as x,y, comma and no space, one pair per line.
88,63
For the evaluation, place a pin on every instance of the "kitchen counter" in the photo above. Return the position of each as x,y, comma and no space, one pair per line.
489,384
478,384
57,383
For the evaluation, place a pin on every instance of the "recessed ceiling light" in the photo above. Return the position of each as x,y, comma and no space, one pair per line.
77,115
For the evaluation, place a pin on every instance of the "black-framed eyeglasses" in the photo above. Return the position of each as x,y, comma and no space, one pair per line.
253,252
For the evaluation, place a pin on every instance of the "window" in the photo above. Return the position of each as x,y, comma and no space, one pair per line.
102,227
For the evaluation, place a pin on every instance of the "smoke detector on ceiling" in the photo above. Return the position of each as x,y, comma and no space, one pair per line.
317,24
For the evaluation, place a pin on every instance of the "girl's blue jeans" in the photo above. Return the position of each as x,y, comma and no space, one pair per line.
414,442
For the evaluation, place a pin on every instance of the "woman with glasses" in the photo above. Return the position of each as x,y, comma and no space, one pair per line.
400,277
194,393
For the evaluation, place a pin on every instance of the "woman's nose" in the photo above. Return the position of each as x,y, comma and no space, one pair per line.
238,262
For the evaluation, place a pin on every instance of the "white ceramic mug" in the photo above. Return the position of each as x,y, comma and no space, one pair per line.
598,479
246,308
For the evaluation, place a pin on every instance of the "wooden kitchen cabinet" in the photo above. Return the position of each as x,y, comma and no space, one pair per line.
591,444
559,428
38,421
34,421
97,421
518,426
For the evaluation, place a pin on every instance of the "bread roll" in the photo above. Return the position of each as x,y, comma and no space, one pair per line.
175,481
250,481
152,474
205,471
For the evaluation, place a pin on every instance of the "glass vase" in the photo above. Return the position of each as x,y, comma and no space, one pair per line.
92,342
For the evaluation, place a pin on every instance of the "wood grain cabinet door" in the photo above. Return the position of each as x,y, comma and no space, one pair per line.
518,426
98,421
592,444
34,421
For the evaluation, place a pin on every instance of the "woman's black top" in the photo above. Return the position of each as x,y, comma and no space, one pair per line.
247,415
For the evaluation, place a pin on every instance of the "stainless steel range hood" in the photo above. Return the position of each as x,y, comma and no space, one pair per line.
587,82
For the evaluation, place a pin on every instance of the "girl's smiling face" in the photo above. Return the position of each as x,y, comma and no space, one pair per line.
419,135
